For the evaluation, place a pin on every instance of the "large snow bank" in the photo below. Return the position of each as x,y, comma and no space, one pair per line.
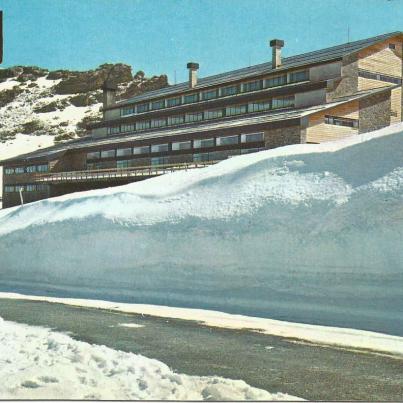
306,233
38,363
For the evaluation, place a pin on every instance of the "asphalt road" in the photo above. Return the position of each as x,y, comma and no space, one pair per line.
267,362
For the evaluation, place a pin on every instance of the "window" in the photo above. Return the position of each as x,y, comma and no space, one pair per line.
143,108
128,128
159,160
143,124
252,137
193,117
235,110
228,140
380,77
8,171
159,148
231,90
122,164
9,189
206,95
250,150
114,130
203,143
141,150
259,106
158,123
121,152
19,170
276,81
187,99
201,157
184,145
108,153
42,168
127,110
174,101
30,188
297,76
158,104
252,86
176,120
284,102
338,121
30,169
93,155
42,188
213,114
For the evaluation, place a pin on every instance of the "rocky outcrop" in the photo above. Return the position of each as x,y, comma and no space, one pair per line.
8,96
141,84
85,81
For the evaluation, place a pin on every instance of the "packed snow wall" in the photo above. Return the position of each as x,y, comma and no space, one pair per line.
306,233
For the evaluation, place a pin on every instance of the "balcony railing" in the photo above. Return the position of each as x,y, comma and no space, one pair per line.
117,173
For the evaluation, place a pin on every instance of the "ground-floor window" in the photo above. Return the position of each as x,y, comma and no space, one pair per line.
339,121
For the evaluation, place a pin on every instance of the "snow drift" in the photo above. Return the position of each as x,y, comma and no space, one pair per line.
305,233
42,364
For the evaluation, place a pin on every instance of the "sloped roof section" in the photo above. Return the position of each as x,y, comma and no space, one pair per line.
327,54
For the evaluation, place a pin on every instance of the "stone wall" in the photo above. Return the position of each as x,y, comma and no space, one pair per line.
374,112
348,84
283,136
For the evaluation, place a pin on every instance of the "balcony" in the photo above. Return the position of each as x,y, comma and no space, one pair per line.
134,173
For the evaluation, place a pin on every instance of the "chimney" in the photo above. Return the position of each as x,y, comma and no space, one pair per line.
193,67
276,45
109,94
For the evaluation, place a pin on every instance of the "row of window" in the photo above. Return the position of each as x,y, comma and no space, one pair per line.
26,188
177,146
380,77
198,157
337,121
255,85
27,169
257,106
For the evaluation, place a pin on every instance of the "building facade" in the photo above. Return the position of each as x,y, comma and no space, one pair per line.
309,98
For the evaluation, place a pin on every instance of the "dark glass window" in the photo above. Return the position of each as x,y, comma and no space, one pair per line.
174,101
176,120
338,121
252,86
276,81
209,95
235,110
231,90
143,108
158,104
297,76
285,102
187,99
127,110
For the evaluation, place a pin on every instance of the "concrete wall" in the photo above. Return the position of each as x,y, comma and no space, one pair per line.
309,98
325,72
374,112
99,132
112,114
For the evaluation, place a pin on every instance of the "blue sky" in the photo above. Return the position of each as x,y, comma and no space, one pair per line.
161,36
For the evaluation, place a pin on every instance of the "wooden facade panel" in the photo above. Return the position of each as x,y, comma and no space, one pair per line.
318,131
380,58
367,84
396,105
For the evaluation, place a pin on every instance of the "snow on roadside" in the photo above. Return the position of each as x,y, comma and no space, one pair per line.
39,363
324,335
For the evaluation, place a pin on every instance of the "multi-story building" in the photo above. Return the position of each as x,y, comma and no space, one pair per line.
309,98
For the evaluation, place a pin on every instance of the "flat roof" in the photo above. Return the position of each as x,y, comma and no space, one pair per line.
322,55
229,122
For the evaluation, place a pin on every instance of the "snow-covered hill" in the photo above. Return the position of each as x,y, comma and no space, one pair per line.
40,107
305,233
